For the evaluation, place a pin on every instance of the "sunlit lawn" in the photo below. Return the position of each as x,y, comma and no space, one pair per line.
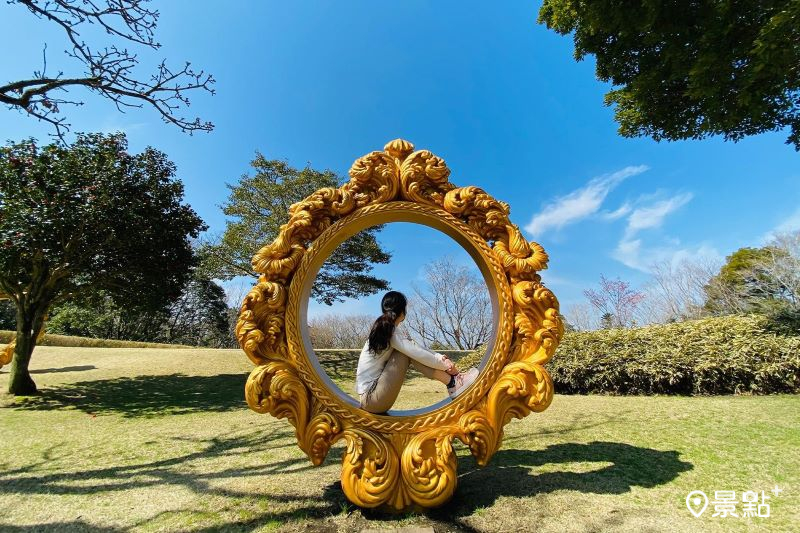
152,439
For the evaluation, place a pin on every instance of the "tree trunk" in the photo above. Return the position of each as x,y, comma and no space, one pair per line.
28,329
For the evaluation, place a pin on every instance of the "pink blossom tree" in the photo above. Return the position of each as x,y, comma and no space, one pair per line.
615,300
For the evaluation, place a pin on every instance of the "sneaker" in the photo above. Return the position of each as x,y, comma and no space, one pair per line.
463,380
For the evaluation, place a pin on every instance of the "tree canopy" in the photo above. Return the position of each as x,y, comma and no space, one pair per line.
257,207
110,71
198,317
761,280
90,216
687,70
7,315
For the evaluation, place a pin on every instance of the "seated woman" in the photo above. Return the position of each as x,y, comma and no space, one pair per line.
386,355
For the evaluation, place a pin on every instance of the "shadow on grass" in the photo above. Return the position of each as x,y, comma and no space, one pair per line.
513,473
74,525
63,369
145,396
179,472
38,478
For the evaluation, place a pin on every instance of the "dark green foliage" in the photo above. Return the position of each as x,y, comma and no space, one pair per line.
257,207
746,283
785,322
687,70
723,355
100,317
198,317
87,217
8,319
91,215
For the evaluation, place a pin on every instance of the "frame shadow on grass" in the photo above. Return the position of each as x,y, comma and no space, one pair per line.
510,473
513,473
145,396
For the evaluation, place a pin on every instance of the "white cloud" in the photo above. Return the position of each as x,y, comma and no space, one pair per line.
620,212
633,254
652,216
628,252
792,223
580,203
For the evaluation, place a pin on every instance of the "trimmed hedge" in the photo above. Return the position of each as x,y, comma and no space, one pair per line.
86,342
468,359
721,355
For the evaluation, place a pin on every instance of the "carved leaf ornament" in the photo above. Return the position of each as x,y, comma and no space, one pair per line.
403,461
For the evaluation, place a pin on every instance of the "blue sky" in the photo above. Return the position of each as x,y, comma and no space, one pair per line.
499,97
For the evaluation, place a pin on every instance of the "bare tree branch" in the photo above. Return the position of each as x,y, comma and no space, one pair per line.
616,300
340,331
454,309
676,292
108,71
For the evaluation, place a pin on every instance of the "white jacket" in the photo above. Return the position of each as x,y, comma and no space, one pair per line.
371,365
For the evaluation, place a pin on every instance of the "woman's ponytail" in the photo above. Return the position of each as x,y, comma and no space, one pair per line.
393,305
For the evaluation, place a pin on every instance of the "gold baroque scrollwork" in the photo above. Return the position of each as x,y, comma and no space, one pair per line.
423,178
404,462
7,353
429,467
370,469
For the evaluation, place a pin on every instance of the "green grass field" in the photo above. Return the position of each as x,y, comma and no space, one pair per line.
159,439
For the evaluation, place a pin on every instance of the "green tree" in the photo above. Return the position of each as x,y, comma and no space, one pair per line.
85,217
99,316
257,207
745,283
7,315
687,70
197,317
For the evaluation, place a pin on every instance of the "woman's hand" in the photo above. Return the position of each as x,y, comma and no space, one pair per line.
451,367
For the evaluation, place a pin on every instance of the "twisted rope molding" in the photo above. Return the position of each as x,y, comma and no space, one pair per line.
445,414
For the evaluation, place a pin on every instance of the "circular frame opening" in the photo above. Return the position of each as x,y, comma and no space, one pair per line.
318,252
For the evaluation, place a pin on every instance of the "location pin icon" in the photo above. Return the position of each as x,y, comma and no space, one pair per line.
697,501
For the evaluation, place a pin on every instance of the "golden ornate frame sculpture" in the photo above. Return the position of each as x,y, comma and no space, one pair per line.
405,460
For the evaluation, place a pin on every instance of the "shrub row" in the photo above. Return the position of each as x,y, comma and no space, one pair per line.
86,342
721,355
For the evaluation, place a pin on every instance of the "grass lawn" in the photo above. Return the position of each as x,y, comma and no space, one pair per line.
159,439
